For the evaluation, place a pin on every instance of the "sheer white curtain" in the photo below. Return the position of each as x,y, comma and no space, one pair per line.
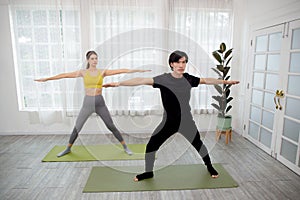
52,37
205,24
142,34
127,34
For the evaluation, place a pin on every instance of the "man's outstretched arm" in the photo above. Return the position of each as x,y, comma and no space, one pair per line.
214,81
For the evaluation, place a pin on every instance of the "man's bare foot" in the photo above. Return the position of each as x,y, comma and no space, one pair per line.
214,176
212,171
143,176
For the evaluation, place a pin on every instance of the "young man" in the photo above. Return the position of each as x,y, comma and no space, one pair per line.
175,89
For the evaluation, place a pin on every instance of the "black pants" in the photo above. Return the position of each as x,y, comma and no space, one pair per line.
166,129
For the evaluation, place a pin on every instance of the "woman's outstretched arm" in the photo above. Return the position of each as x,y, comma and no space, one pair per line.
122,71
61,76
131,82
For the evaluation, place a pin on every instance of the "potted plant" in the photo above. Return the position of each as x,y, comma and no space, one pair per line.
223,58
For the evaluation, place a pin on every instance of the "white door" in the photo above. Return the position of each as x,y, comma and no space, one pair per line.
265,62
273,120
288,140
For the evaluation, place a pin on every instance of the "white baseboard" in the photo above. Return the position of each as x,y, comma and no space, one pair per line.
14,133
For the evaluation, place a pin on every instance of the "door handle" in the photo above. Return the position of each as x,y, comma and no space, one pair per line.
278,95
275,102
279,107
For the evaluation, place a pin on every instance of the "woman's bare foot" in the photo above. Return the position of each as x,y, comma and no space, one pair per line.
128,151
66,151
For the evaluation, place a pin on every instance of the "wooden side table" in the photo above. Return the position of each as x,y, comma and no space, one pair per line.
227,133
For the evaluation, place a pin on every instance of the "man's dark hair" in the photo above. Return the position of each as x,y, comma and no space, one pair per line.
175,56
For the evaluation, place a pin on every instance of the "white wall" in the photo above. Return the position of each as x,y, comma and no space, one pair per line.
261,13
250,16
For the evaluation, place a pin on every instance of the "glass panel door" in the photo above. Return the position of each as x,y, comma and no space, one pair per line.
273,119
265,81
289,122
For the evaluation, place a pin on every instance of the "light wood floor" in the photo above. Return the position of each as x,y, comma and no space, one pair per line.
23,176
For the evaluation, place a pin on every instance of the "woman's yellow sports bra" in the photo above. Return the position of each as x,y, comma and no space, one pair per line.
92,81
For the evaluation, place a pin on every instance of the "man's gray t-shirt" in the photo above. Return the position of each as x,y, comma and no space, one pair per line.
176,93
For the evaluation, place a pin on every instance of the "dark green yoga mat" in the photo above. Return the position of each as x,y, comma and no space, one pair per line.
173,177
96,152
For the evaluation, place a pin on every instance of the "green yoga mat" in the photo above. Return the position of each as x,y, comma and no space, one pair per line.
173,177
96,152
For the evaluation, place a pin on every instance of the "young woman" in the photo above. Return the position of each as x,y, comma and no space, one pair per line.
93,100
175,89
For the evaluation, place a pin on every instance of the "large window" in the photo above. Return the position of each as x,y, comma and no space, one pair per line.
125,34
47,42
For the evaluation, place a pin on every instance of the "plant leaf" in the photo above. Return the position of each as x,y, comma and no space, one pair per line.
229,99
227,93
216,106
228,61
222,47
227,53
227,87
217,56
217,98
228,108
220,68
219,89
220,75
226,70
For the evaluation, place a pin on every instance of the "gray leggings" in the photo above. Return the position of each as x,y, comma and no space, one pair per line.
90,105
